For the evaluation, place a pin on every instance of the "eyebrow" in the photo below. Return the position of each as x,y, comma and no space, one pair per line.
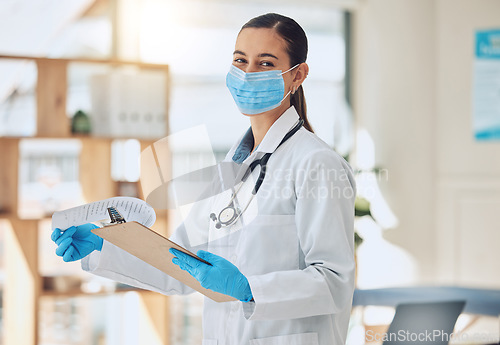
260,55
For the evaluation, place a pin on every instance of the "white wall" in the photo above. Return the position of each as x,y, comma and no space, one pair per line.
394,100
467,172
412,83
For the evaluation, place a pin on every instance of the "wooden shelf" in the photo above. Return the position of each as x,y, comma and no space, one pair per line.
80,293
147,141
24,286
7,215
109,62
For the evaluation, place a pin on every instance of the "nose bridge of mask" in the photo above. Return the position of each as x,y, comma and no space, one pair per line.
274,80
255,76
256,84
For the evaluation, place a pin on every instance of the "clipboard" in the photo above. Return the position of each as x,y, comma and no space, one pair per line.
152,248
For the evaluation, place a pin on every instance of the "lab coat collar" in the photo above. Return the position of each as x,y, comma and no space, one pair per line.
271,140
278,130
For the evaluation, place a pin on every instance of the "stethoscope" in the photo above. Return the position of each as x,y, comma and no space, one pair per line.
231,213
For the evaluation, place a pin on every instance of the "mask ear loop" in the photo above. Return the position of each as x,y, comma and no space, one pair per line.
288,70
286,96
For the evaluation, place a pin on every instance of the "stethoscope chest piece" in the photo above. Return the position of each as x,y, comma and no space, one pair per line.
226,216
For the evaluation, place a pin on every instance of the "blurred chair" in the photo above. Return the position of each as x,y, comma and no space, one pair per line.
424,323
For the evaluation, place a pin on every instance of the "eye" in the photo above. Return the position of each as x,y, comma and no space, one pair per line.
267,64
240,60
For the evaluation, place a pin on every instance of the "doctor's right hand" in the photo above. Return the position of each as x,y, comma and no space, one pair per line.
76,242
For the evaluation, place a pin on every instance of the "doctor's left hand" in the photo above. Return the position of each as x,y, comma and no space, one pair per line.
222,276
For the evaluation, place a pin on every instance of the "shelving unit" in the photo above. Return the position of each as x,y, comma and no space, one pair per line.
23,286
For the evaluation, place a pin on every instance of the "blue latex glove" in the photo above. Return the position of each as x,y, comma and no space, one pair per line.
222,276
76,242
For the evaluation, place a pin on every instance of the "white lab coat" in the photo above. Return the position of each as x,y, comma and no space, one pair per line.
297,252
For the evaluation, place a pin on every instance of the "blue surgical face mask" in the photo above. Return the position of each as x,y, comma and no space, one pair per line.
256,92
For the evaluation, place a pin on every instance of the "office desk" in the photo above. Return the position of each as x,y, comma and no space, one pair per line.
478,301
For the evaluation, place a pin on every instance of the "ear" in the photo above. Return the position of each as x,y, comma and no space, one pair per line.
300,76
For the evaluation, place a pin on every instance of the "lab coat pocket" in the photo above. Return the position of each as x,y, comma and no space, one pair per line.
268,244
290,339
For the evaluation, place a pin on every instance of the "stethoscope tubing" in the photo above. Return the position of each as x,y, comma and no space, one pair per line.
263,161
262,174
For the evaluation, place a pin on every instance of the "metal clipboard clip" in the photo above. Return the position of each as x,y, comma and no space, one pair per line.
115,216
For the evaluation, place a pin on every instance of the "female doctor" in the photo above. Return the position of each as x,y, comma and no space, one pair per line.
291,267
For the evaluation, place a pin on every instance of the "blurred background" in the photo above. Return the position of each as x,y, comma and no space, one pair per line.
408,91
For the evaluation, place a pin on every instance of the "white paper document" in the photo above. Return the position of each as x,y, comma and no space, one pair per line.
132,209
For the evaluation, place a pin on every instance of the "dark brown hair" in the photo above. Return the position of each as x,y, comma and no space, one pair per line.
296,41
